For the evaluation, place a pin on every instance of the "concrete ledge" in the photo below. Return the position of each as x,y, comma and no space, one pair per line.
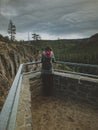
24,114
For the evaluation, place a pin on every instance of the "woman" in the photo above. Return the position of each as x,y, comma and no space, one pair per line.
47,71
47,59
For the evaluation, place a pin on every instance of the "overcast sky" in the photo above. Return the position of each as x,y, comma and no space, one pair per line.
51,19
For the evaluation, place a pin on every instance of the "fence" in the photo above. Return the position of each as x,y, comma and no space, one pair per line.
9,110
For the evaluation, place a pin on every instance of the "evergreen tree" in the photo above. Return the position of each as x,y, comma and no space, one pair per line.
36,37
12,30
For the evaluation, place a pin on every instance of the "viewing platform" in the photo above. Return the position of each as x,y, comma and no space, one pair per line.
72,103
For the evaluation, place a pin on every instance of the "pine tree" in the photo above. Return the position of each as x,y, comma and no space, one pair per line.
12,30
36,37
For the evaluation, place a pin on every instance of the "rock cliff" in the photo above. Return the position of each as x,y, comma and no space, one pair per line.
11,56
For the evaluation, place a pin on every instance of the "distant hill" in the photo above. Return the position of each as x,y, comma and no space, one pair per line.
73,50
95,36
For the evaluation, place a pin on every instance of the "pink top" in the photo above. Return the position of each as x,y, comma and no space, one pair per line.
47,53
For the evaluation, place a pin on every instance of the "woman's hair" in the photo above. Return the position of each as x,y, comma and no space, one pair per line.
48,48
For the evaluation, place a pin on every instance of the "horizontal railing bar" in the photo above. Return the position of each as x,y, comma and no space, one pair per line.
34,71
76,64
77,73
12,120
31,63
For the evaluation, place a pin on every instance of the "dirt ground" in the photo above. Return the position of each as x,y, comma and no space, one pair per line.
51,113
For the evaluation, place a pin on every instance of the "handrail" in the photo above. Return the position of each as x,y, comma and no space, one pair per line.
77,64
8,105
31,63
76,73
9,110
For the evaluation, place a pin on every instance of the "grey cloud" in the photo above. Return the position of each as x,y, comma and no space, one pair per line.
53,17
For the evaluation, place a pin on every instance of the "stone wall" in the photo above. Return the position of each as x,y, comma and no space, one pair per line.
35,86
76,87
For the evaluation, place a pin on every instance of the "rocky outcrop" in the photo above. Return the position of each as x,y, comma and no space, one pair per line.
11,56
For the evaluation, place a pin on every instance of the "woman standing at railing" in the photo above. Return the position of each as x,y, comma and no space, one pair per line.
47,59
47,70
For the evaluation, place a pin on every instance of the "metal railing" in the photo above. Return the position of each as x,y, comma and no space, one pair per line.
8,113
76,65
9,110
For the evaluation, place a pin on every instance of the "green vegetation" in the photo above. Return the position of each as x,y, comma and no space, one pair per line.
79,51
76,50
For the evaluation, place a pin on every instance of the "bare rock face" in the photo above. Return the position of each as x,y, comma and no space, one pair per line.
11,56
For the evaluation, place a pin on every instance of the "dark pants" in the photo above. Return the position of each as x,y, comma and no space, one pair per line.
47,80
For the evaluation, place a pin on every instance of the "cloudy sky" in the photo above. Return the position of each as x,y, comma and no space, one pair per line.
51,19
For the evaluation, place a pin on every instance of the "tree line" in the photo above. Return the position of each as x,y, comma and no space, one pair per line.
76,51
